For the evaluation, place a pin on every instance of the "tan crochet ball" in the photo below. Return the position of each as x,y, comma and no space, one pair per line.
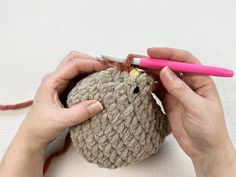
129,129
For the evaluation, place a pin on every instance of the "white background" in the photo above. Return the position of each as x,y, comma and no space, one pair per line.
36,35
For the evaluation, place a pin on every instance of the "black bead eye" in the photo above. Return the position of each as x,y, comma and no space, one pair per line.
136,89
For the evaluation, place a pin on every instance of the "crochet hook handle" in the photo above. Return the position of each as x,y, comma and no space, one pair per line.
152,63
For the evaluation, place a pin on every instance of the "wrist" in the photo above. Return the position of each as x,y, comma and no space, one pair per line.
28,146
32,135
28,142
221,162
22,159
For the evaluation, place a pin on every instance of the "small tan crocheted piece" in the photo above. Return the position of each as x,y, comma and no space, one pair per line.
129,129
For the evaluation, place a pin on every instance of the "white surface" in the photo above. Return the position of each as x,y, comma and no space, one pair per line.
36,35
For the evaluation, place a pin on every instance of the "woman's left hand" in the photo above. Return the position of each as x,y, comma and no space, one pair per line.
48,117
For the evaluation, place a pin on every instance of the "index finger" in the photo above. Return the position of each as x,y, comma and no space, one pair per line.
72,56
203,85
77,66
172,54
60,78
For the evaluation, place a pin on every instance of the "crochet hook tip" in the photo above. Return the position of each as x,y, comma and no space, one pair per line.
116,59
98,57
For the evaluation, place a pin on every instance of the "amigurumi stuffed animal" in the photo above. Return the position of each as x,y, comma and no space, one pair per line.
129,129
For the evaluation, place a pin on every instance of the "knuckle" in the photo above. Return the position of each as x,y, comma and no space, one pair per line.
209,81
195,111
198,110
79,116
189,57
74,116
178,85
188,54
46,79
73,54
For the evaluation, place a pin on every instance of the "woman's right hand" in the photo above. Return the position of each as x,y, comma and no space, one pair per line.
195,115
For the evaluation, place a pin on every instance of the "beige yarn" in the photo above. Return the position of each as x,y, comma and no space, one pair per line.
129,129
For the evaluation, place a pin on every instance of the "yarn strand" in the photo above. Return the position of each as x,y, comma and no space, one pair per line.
59,152
16,106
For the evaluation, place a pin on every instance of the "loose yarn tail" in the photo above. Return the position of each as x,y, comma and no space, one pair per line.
16,106
60,152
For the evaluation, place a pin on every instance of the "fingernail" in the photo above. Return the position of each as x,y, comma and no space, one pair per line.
95,108
168,74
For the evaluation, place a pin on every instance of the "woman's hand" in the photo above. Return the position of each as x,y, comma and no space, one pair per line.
195,115
48,117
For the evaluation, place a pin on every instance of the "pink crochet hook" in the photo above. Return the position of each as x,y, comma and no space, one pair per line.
155,63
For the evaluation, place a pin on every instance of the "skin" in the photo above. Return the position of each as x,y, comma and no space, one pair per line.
196,117
192,105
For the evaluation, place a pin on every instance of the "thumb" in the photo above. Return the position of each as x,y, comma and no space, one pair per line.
179,89
82,111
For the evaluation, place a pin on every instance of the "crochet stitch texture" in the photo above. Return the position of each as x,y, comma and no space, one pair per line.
129,129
